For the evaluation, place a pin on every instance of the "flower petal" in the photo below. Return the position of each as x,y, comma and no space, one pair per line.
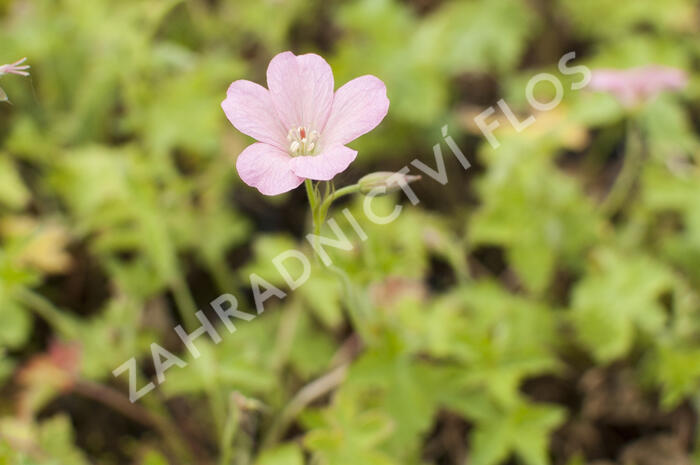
324,166
302,89
248,106
267,168
358,107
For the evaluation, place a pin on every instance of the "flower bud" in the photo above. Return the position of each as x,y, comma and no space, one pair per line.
383,182
15,68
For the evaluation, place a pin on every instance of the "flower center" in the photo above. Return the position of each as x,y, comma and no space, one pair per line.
302,141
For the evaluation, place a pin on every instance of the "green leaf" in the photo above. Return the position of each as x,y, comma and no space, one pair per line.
675,366
619,296
495,32
350,435
538,223
153,457
17,322
236,363
286,454
497,339
265,249
404,389
13,192
523,430
312,350
623,16
56,438
323,293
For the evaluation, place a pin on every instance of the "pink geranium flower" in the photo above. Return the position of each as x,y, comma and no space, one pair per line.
636,85
300,124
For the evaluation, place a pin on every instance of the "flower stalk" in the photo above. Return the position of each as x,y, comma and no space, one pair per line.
623,184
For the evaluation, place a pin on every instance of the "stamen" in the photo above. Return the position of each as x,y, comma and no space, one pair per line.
302,141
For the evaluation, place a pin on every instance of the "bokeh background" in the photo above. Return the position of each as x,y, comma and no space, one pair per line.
506,319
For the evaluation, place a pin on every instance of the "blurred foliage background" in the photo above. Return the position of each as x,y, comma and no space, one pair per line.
506,319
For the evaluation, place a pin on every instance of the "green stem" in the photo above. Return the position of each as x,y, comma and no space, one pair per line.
358,309
319,211
47,310
308,394
229,432
285,335
223,278
456,255
328,201
114,399
187,307
217,405
185,303
313,203
625,180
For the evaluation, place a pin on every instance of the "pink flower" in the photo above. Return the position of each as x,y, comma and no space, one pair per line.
14,68
300,124
637,85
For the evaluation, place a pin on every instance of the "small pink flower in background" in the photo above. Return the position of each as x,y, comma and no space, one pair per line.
15,68
636,85
300,124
